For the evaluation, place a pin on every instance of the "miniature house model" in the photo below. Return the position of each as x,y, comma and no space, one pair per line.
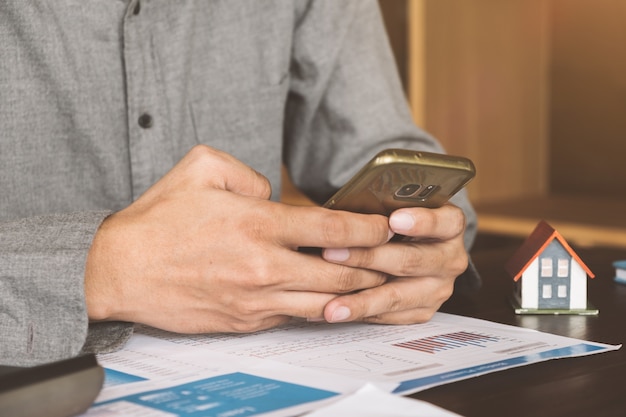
550,278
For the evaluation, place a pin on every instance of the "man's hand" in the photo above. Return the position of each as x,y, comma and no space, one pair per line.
423,269
203,250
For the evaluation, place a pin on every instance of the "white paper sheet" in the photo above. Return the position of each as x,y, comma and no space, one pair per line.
370,401
154,377
302,366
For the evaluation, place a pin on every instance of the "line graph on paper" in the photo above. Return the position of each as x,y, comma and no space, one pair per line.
361,362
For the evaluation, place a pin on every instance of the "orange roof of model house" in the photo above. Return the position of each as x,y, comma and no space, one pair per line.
538,240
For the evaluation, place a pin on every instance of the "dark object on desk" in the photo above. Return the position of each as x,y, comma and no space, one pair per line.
59,389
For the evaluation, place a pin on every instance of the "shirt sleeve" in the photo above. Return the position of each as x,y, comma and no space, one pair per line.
43,316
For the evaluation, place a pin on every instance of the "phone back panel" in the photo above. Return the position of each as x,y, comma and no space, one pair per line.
398,178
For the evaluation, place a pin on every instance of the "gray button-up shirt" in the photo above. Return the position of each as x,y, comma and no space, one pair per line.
100,98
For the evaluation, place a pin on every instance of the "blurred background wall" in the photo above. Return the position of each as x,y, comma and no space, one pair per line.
533,90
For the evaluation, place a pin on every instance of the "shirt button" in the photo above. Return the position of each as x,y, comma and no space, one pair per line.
145,121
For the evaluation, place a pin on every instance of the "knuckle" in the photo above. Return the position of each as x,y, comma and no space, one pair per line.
264,274
456,221
350,279
256,324
457,261
442,294
247,279
264,187
394,299
460,263
203,158
203,152
345,280
363,258
332,226
430,217
423,315
338,226
249,309
410,261
380,230
258,228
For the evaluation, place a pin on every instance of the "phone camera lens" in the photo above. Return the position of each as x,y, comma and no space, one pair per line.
407,190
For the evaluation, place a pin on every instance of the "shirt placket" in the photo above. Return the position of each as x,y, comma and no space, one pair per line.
148,153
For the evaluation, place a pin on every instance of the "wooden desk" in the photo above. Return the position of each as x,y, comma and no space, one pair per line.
589,386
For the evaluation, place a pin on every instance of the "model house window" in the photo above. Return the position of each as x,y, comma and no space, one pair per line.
562,291
546,267
546,291
563,268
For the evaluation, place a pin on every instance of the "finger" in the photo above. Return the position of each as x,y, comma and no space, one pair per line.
263,310
267,310
441,223
323,228
247,312
302,304
219,323
413,316
406,259
309,273
400,301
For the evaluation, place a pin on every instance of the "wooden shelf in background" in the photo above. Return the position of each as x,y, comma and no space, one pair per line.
582,220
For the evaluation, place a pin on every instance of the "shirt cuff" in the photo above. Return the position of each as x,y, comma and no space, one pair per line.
107,337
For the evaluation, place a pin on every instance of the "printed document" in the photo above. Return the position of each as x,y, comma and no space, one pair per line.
304,366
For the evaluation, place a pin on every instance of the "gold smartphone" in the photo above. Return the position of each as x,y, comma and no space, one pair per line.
397,178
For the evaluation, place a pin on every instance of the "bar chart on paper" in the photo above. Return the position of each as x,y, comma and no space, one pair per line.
397,355
448,341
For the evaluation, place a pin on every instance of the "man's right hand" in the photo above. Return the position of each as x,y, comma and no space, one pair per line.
204,250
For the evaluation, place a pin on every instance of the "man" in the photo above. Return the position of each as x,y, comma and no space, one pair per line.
140,152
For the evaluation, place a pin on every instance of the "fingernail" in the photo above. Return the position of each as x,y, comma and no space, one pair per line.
336,255
315,319
340,314
390,234
401,222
